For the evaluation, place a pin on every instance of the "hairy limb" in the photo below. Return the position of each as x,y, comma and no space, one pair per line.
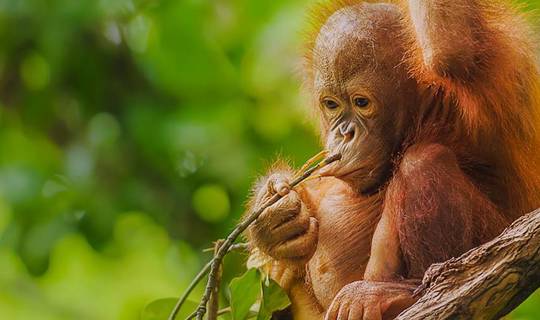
434,212
385,263
453,36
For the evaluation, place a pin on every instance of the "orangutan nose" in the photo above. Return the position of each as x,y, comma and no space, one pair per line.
346,130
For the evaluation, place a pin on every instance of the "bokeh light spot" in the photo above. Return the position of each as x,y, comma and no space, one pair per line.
79,163
188,163
35,72
211,202
52,188
103,130
137,33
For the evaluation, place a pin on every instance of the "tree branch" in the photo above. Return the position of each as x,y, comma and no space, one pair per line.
197,279
486,282
213,303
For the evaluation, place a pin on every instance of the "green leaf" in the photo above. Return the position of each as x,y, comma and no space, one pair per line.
161,309
245,290
274,299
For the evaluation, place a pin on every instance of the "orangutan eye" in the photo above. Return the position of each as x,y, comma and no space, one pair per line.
361,102
330,103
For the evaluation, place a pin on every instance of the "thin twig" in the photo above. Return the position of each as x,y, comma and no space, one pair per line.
197,279
190,288
220,313
213,304
224,311
241,227
318,157
234,247
239,247
192,315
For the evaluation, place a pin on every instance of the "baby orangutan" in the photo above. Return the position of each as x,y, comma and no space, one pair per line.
434,105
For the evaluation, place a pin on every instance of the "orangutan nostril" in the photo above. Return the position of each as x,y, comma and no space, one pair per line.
347,131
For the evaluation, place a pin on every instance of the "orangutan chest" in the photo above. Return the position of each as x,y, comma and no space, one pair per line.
346,227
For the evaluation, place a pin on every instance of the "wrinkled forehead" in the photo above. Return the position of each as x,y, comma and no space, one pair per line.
356,40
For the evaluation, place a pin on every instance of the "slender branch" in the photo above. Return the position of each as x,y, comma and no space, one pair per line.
241,227
234,247
224,311
239,247
486,282
197,279
213,304
192,315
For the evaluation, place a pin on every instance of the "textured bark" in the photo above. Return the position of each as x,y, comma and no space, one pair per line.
487,282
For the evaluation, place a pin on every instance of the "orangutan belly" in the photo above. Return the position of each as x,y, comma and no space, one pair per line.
346,225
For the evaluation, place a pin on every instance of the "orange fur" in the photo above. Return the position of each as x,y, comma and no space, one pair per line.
467,159
501,105
497,111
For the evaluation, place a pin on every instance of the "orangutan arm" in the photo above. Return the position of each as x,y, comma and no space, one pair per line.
432,212
454,38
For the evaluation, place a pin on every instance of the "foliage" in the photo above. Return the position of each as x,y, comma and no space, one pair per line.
130,132
273,299
251,296
160,309
244,293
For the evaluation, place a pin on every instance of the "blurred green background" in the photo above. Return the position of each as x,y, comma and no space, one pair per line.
130,132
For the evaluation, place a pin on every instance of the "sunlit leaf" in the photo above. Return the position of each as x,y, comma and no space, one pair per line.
274,299
35,72
161,309
245,290
103,130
